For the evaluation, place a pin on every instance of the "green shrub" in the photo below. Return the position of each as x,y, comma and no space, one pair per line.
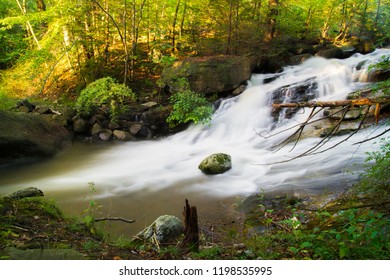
382,65
355,226
376,179
189,106
105,94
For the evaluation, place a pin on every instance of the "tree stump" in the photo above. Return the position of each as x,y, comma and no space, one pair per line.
191,229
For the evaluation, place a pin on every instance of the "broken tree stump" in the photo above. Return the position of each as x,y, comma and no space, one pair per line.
191,229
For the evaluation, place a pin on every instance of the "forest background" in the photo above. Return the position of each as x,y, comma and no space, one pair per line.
53,49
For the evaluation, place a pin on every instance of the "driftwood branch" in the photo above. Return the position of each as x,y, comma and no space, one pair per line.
344,105
114,219
335,103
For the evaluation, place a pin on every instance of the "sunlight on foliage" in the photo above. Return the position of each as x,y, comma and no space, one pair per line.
104,94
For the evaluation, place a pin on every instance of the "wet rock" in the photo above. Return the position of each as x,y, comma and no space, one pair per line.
149,105
113,125
379,75
27,192
164,229
329,53
336,114
96,129
363,44
106,135
344,129
59,119
298,59
42,110
139,130
99,118
24,137
80,126
25,106
216,164
294,93
239,90
122,135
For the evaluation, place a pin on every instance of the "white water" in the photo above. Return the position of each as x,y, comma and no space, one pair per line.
171,164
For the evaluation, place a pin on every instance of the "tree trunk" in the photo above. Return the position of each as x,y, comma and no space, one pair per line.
174,25
183,18
28,24
229,39
272,15
123,39
191,229
377,13
326,27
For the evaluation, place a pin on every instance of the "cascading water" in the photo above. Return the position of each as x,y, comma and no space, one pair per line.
170,165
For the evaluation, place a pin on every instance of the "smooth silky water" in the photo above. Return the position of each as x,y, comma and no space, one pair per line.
143,180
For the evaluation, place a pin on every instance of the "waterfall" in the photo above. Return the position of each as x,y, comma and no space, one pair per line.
236,128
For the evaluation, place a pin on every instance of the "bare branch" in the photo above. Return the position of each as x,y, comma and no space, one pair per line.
114,219
372,138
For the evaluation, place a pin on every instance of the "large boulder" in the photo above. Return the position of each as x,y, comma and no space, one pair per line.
28,136
216,164
164,229
362,44
331,52
208,75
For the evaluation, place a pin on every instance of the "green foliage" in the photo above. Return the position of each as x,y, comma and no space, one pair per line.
91,246
123,243
347,234
382,65
104,94
189,106
5,101
90,211
12,46
213,253
358,231
376,180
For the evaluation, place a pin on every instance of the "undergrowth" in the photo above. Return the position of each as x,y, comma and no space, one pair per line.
189,106
353,227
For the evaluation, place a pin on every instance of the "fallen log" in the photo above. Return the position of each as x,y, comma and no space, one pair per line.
335,103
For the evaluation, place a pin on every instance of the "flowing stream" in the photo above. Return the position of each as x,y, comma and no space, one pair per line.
146,179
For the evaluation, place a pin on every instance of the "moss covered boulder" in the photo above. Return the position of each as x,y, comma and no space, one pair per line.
164,229
216,164
208,75
27,136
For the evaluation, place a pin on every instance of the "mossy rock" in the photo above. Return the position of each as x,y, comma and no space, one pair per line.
208,75
216,164
24,137
164,229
